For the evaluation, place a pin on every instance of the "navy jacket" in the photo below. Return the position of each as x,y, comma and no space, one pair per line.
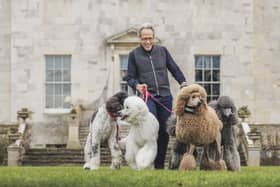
151,68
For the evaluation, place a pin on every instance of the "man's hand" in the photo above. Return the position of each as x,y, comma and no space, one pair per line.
141,87
183,84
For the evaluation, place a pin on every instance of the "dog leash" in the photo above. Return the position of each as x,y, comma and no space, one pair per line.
147,94
114,117
118,132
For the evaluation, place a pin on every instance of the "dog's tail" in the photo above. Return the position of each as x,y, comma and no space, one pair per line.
171,125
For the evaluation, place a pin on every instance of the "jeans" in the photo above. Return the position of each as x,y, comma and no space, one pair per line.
162,115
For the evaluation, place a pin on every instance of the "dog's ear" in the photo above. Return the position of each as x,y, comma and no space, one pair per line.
121,96
181,100
142,108
203,94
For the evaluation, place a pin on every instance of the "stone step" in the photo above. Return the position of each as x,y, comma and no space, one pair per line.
53,157
53,163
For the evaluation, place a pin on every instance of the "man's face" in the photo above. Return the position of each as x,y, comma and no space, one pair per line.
147,37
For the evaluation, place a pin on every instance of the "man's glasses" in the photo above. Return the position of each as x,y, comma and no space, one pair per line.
147,39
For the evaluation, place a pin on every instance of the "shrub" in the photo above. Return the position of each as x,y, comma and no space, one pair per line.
3,148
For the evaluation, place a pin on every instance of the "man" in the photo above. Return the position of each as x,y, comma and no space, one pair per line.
147,69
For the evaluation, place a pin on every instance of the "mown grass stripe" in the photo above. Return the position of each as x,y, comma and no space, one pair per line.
76,176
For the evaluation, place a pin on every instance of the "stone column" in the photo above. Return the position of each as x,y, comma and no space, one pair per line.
73,133
254,150
16,150
14,155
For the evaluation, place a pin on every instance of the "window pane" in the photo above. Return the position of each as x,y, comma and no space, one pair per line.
216,61
66,62
58,89
58,71
67,90
215,97
49,101
58,75
58,101
198,62
66,75
207,62
216,75
208,88
123,72
207,75
50,75
58,62
66,105
198,75
49,62
216,89
124,62
50,89
208,99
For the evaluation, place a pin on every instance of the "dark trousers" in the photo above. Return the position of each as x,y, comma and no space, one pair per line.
162,115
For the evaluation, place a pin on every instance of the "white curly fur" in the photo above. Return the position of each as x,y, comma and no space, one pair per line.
141,142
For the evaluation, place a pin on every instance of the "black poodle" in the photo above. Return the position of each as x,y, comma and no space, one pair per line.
227,113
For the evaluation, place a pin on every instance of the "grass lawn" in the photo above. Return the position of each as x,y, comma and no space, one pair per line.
76,176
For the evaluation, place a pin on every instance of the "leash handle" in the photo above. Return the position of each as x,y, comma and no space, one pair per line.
146,95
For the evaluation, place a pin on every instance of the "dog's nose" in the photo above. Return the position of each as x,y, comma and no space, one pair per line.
227,112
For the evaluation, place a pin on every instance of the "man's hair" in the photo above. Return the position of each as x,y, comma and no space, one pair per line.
146,26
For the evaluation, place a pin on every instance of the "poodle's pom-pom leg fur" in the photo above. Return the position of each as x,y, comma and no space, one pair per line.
232,158
220,165
146,155
213,165
188,162
177,151
130,154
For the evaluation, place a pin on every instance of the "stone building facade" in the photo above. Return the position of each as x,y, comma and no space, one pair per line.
85,44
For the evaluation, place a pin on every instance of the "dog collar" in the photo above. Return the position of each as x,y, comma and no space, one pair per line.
112,115
189,109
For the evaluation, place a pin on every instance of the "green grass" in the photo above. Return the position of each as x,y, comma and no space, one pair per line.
76,176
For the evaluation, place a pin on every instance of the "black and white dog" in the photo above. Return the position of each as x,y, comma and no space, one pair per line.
104,128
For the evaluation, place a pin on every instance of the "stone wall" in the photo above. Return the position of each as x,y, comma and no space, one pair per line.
80,28
5,55
266,65
270,140
242,32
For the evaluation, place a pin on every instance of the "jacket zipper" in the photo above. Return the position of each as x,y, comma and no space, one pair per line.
154,74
